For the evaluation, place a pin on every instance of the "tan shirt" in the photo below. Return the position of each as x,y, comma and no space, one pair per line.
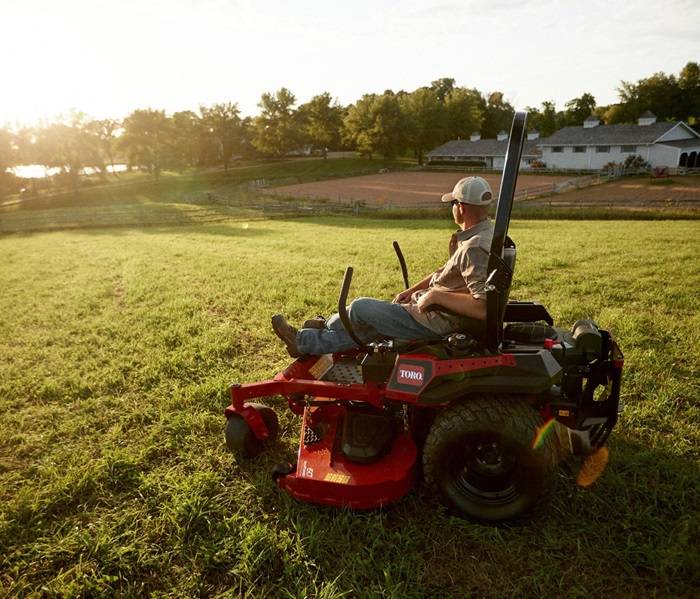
465,271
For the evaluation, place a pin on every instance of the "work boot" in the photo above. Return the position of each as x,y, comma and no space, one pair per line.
314,323
286,333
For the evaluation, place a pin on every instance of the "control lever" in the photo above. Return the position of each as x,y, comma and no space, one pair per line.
402,262
343,312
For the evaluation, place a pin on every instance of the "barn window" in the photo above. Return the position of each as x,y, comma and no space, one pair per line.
631,149
602,149
557,149
579,149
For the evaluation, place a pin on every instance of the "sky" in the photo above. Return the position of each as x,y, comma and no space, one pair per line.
107,58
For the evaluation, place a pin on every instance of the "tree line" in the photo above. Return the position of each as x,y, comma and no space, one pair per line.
387,124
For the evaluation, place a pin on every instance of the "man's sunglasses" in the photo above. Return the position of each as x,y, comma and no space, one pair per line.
455,202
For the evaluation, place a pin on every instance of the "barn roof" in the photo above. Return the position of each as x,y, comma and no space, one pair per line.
481,147
607,135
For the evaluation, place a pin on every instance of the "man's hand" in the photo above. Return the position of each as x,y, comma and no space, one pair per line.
404,297
426,300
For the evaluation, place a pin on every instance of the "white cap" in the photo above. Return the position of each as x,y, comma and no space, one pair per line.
471,190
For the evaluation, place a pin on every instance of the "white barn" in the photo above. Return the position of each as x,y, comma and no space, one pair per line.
593,145
490,153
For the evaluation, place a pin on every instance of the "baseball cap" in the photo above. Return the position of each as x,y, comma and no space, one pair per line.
470,190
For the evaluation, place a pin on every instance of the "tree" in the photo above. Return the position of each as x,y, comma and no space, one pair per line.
425,120
104,132
442,87
464,111
578,110
498,115
659,93
275,128
689,83
9,157
357,124
545,121
376,124
70,145
223,122
322,121
146,139
187,140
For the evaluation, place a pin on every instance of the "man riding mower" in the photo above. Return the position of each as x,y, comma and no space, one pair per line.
452,381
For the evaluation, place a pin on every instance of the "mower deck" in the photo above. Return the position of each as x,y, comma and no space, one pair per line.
324,475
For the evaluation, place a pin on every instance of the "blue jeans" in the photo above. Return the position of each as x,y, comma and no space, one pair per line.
371,320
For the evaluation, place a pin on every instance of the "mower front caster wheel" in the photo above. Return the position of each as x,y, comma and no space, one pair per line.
241,440
282,470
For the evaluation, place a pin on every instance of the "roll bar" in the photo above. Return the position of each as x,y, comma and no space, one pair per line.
499,273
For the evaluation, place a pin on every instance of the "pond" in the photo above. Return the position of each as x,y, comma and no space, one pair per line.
39,171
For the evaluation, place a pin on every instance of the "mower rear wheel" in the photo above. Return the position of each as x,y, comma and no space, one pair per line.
241,440
479,457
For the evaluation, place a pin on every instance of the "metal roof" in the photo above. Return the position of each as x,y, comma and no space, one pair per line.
607,135
481,147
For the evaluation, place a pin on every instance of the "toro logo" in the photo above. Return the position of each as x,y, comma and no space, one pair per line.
410,375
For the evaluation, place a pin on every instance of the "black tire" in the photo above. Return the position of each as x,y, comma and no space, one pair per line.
479,458
240,438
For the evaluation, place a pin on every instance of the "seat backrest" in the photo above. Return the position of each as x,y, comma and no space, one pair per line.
509,255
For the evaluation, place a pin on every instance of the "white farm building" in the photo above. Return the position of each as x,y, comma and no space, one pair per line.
593,145
489,153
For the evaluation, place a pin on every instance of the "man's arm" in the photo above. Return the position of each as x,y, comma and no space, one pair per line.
405,296
458,302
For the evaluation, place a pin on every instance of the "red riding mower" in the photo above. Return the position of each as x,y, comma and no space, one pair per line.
484,419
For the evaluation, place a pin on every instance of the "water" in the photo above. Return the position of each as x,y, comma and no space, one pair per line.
39,171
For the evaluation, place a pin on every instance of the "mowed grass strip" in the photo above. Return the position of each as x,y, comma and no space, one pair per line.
116,350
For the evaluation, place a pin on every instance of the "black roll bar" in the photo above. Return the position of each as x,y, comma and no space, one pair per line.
494,316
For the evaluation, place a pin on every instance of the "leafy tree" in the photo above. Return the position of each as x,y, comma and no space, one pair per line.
358,123
247,136
70,145
425,120
146,139
104,132
187,139
578,110
659,93
322,121
443,87
545,120
498,115
276,131
376,124
689,83
8,150
223,122
464,111
9,157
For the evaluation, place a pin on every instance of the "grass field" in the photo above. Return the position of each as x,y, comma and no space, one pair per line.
116,350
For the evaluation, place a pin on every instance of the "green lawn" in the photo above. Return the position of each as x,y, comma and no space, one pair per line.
116,350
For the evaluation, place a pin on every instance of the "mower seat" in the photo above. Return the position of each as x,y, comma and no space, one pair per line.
474,327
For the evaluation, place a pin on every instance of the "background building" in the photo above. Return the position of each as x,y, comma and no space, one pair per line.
593,145
489,153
